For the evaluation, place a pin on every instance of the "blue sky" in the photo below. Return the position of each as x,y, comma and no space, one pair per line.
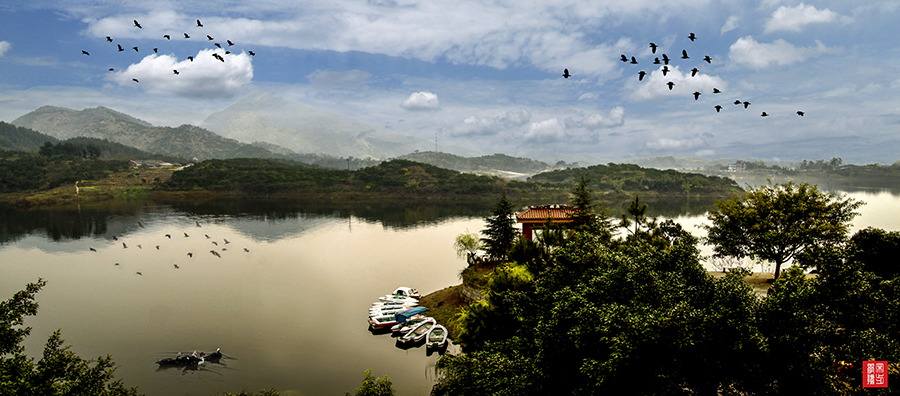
487,76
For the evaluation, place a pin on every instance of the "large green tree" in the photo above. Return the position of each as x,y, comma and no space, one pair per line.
778,222
501,233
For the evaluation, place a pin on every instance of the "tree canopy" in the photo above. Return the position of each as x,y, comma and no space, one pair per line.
500,233
778,222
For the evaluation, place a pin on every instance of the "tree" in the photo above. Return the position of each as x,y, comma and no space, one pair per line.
60,371
466,244
588,213
501,232
372,386
777,223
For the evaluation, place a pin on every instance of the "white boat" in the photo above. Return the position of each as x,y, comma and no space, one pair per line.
403,328
382,321
399,299
395,304
387,311
418,332
436,338
406,291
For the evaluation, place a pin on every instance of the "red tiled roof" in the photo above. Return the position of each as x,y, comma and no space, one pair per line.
561,213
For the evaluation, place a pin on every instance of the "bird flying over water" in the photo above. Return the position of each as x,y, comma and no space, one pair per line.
186,235
137,25
169,236
93,250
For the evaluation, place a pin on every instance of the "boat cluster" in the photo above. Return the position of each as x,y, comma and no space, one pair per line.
193,359
400,312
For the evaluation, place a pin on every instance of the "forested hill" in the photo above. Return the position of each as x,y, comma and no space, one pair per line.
630,178
487,163
13,138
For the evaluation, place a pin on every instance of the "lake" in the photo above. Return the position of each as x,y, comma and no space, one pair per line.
289,312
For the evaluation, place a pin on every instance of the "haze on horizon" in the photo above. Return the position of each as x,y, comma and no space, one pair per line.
487,77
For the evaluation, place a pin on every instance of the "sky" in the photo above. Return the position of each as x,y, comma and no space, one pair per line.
487,76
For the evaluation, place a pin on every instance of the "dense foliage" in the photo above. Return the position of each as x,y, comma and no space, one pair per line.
372,386
500,230
641,316
623,178
54,166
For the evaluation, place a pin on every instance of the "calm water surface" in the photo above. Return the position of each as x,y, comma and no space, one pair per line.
290,313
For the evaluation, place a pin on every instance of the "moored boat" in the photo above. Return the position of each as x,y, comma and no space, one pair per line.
403,328
382,321
417,333
399,299
437,337
407,291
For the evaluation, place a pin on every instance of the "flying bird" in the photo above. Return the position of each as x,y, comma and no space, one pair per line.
217,45
190,254
92,249
110,69
226,241
656,61
624,58
137,25
120,47
665,59
167,37
215,243
175,71
716,90
684,55
229,43
696,95
209,37
764,114
746,104
206,235
199,24
157,247
694,71
135,49
85,52
800,113
247,250
176,266
169,236
124,246
139,246
186,235
155,50
140,224
114,238
670,84
566,73
191,58
139,273
737,102
718,108
707,59
665,69
692,37
198,223
633,61
653,47
641,75
251,53
109,39
186,36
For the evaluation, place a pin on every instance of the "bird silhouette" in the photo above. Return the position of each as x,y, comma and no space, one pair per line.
135,49
716,90
85,52
176,266
737,102
656,61
229,43
167,37
169,236
191,58
199,24
633,61
110,69
670,84
653,48
198,223
175,71
190,254
800,113
718,108
665,70
157,247
109,39
684,55
764,114
251,53
694,71
114,238
206,235
746,104
139,273
92,249
696,95
209,37
155,50
707,59
641,75
692,37
137,25
665,59
120,47
187,36
247,250
186,235
124,246
116,264
139,246
215,243
226,241
624,58
217,45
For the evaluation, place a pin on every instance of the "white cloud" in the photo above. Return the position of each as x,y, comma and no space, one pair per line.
748,51
730,24
344,79
655,85
547,131
421,101
204,77
488,126
4,46
794,18
596,121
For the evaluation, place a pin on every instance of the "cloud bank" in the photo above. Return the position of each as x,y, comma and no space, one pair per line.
795,18
204,77
421,101
749,52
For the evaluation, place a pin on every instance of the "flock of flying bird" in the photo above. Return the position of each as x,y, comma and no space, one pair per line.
664,60
214,251
209,38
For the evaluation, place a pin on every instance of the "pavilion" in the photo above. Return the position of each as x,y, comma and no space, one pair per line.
541,216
